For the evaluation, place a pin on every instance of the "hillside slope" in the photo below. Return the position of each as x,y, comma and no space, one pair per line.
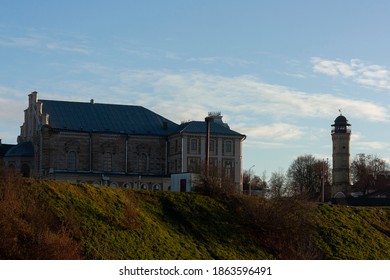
52,220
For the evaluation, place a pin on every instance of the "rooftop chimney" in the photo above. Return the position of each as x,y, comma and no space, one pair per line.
92,101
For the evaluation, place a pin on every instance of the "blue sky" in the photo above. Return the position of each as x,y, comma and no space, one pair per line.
279,71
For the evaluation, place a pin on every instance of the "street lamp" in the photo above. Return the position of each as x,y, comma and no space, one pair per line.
249,179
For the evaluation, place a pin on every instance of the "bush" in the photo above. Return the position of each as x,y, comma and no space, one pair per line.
27,229
215,186
283,226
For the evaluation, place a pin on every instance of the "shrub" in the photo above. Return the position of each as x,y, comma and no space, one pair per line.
28,229
283,226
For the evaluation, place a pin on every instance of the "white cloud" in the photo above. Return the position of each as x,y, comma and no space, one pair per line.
11,115
190,95
260,110
372,145
332,67
374,76
281,131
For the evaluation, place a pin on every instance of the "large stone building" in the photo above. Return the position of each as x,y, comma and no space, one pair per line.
119,145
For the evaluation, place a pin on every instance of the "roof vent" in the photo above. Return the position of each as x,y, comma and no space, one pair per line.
92,101
165,125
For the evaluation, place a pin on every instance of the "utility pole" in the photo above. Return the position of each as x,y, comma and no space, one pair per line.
209,120
249,179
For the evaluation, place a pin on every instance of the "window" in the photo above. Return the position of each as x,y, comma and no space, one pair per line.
107,162
228,147
72,157
128,185
143,163
228,168
194,146
193,165
212,147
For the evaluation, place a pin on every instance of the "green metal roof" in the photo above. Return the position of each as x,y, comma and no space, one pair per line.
25,149
95,117
4,149
200,127
126,119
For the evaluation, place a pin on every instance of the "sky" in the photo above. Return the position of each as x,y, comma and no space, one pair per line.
279,71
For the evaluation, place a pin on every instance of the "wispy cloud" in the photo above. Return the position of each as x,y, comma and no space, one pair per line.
240,96
374,76
19,41
372,145
281,131
260,110
220,59
44,40
11,115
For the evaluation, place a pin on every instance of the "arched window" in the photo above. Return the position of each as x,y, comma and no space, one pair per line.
143,163
128,185
107,162
72,160
156,187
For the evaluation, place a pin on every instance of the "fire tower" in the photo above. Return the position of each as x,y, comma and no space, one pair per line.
341,136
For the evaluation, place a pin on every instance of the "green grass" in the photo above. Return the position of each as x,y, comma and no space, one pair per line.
354,232
71,221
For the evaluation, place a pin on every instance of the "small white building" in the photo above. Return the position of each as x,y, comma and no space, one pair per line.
183,182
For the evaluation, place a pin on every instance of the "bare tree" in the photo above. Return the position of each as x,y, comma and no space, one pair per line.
363,165
277,184
365,168
306,176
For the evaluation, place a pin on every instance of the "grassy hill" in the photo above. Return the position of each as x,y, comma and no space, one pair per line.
52,220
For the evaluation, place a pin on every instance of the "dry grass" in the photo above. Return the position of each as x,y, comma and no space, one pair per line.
28,229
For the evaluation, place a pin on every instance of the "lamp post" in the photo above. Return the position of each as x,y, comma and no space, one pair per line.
249,179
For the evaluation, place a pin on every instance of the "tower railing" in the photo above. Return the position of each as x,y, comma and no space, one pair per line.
348,130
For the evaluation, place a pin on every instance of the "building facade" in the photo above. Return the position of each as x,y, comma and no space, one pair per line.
117,145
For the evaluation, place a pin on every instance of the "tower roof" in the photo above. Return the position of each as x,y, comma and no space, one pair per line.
341,121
